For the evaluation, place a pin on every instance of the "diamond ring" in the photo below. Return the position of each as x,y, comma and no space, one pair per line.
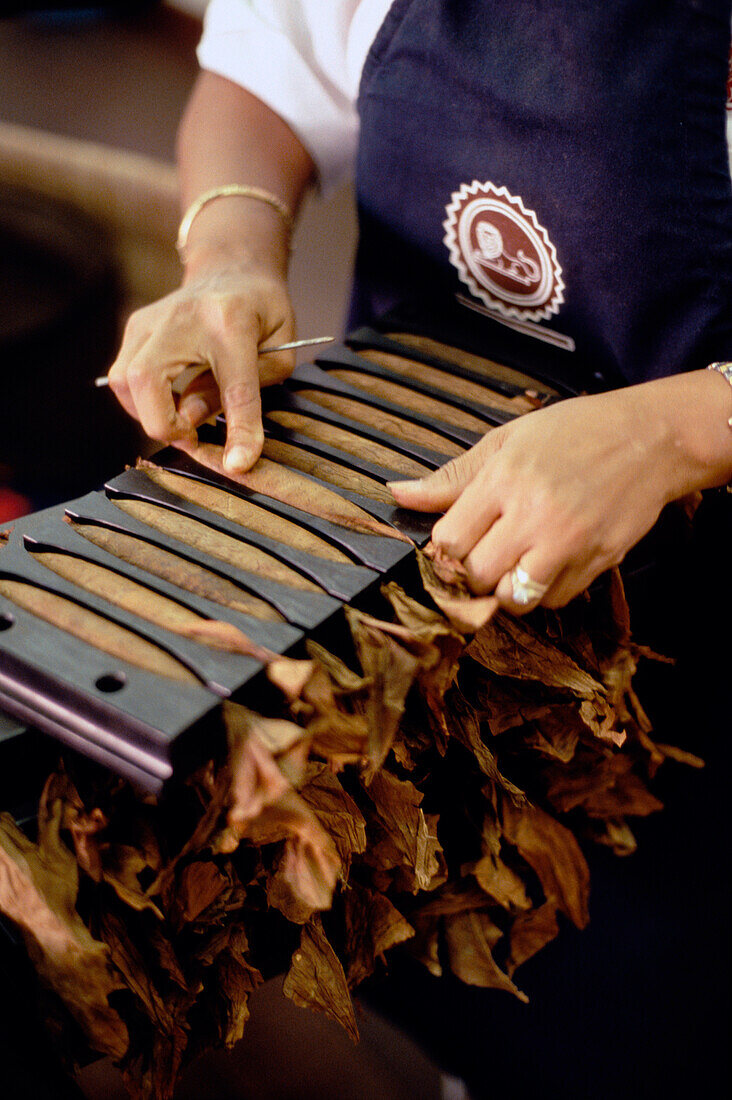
524,589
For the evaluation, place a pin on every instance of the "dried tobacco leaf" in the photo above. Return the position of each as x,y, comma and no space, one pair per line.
307,462
410,845
436,643
389,671
607,789
552,852
373,925
255,779
96,630
150,605
208,540
235,979
337,813
316,979
182,572
472,392
135,970
530,932
469,361
450,591
38,889
499,882
384,421
264,809
276,481
239,510
507,646
415,402
471,938
344,440
465,728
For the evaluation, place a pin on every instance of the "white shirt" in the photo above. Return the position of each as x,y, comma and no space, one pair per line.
304,58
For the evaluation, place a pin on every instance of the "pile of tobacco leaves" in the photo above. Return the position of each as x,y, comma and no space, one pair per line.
426,795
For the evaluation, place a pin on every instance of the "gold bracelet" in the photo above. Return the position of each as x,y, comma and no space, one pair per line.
244,190
725,369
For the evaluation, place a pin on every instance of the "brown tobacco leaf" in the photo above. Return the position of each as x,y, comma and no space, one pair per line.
140,600
309,864
325,469
182,572
384,421
96,630
552,852
530,932
410,845
255,779
301,883
244,512
137,974
290,676
508,647
235,979
208,540
469,361
337,813
428,635
373,926
199,885
609,788
465,728
316,692
389,670
615,833
425,944
316,979
274,480
449,589
553,731
410,399
471,938
38,888
451,383
497,880
349,442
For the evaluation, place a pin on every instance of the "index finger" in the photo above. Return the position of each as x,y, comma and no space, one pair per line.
238,380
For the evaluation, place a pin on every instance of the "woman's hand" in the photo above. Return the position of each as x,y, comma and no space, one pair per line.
564,492
217,320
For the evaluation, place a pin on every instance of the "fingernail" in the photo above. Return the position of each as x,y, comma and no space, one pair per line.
194,409
391,485
238,458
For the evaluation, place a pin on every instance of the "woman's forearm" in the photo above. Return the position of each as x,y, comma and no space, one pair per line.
228,136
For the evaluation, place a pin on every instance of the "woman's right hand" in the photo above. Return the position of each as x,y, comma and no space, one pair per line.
217,320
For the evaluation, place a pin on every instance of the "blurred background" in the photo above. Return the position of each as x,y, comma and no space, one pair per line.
90,98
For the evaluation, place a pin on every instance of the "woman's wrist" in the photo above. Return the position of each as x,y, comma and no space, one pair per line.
692,411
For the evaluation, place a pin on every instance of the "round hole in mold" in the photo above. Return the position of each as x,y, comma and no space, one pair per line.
6,620
111,682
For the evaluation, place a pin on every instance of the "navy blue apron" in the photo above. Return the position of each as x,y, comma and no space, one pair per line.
559,165
551,176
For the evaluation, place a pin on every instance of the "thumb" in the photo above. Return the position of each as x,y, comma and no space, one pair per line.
437,491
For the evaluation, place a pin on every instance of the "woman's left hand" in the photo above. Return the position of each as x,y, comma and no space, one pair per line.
561,493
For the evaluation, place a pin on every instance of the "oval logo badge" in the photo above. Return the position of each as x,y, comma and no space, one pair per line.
502,253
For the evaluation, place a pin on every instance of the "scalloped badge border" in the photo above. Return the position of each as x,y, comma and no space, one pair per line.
487,195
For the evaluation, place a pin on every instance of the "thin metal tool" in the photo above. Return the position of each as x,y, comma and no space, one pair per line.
103,380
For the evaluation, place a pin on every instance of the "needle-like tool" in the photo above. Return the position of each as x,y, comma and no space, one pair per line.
104,379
